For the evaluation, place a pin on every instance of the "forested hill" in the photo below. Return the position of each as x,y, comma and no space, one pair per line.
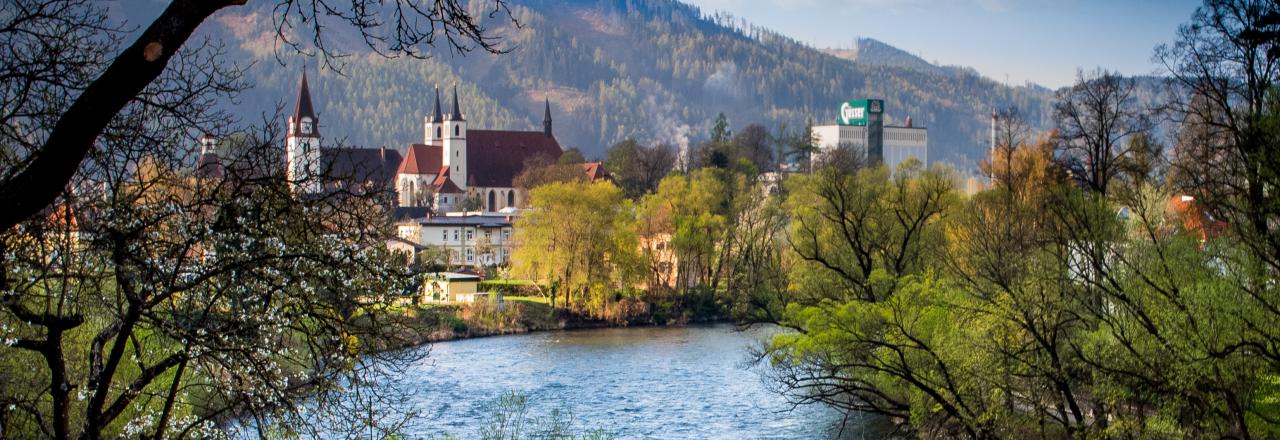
656,70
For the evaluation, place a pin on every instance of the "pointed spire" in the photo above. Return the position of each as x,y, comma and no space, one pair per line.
437,116
457,111
546,118
302,106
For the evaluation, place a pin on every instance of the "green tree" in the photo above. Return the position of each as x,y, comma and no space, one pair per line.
637,168
576,236
720,132
801,146
571,156
875,324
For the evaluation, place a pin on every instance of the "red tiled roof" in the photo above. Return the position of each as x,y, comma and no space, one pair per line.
443,184
595,171
1195,218
495,157
421,159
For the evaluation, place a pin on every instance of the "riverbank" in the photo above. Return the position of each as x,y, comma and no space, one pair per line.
519,315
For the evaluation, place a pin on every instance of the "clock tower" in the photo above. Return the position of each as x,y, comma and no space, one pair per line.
302,144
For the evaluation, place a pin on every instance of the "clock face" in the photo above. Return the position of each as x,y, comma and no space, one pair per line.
305,126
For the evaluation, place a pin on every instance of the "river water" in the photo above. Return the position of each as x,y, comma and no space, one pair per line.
659,382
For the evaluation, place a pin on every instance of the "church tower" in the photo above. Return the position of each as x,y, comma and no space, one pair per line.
433,124
302,144
546,118
455,144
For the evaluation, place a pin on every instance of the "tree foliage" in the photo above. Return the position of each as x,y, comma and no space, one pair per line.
576,238
637,168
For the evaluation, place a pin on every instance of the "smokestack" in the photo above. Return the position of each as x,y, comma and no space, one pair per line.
994,117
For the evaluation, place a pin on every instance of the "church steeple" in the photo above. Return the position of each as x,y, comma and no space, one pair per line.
437,116
302,144
546,118
303,121
457,111
454,145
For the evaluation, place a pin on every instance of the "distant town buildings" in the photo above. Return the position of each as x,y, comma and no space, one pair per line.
454,191
860,125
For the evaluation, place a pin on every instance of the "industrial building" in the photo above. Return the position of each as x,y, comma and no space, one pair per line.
860,125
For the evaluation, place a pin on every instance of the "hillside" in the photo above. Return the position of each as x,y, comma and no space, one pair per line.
656,70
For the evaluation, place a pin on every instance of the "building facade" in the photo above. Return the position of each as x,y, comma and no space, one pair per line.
469,240
860,125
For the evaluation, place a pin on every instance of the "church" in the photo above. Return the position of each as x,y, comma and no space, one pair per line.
453,162
451,165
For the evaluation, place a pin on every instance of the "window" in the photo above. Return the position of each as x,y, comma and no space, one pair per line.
438,132
471,254
455,235
445,235
455,130
488,235
506,234
469,232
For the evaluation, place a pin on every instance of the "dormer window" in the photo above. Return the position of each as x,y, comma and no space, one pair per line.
305,126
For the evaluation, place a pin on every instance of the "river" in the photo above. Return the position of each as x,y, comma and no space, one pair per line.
657,382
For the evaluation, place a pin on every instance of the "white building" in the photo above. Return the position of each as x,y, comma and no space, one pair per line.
860,125
470,240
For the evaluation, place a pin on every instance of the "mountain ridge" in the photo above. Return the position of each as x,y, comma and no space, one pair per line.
655,70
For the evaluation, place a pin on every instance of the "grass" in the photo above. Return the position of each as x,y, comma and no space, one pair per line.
529,299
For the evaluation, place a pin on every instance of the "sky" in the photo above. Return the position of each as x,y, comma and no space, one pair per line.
1040,41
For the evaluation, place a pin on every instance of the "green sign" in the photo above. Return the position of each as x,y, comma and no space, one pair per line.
855,112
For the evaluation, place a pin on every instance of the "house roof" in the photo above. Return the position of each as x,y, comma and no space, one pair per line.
595,171
357,165
443,184
421,159
1196,219
482,221
397,241
495,157
453,276
410,212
